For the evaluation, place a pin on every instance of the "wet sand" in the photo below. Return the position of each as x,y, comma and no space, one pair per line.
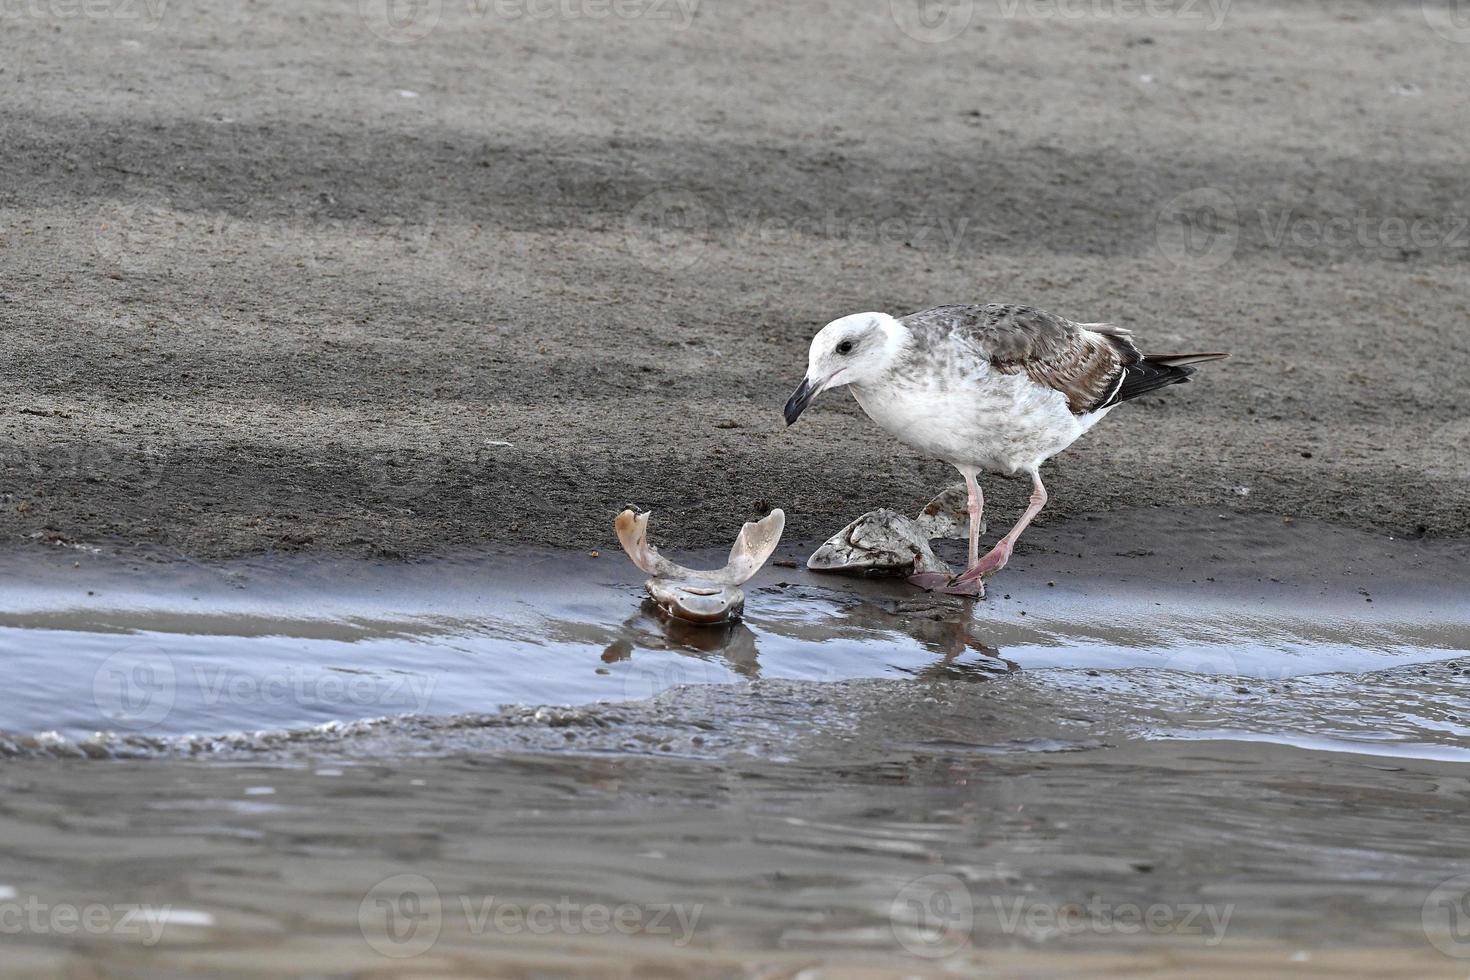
333,345
268,281
1019,862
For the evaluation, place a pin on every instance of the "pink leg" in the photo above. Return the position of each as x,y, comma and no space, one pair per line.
937,580
977,507
975,587
996,559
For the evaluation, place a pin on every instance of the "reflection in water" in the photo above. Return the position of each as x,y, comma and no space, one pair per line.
270,651
944,625
732,644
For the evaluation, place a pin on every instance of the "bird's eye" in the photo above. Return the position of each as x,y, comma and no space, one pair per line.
845,347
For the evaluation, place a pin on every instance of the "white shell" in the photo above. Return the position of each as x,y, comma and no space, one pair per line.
697,596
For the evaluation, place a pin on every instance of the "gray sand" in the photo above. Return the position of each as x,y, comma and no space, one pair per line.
268,281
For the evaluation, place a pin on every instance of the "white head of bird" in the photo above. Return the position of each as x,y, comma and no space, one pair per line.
849,350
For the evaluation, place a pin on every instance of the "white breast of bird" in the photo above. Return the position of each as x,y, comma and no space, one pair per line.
1001,423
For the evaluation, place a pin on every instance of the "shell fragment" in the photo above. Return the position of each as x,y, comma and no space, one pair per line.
695,596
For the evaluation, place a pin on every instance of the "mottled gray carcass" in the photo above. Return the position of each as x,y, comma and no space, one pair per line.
885,542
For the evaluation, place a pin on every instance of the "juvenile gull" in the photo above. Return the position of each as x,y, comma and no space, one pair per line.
996,388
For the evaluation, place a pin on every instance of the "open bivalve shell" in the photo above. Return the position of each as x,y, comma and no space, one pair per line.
696,596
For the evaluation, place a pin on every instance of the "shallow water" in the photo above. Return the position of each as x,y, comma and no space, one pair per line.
286,644
857,775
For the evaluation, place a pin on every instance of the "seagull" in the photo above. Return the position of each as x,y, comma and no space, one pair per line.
994,388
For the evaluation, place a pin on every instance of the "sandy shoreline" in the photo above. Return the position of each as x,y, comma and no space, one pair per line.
300,299
291,292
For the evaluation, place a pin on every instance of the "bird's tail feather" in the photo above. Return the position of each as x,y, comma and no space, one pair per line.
1179,360
1157,371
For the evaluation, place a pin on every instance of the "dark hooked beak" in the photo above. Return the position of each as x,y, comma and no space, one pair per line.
799,400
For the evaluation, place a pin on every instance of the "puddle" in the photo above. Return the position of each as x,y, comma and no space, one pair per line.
238,656
1267,722
295,644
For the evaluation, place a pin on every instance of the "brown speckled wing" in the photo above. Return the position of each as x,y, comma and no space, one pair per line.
1085,362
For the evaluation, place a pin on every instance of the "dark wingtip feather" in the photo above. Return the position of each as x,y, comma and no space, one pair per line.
1180,360
1146,376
